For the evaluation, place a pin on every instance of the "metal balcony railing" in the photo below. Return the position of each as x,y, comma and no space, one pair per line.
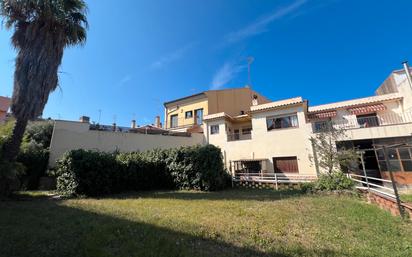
238,136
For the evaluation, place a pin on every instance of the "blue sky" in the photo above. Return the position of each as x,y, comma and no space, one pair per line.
140,54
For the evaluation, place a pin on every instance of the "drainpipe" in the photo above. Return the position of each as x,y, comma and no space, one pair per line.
207,132
408,74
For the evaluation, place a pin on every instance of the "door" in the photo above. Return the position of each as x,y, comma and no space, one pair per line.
173,121
285,164
199,116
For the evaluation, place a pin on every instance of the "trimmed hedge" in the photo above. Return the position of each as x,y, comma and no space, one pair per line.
93,173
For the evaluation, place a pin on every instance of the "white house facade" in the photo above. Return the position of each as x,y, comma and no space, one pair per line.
275,137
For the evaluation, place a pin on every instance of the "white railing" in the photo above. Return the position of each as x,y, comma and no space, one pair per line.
377,185
383,187
274,178
368,121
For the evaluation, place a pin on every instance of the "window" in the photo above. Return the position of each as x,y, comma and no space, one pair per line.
285,164
368,120
189,114
214,129
282,122
246,131
405,155
173,121
199,116
236,135
320,126
400,159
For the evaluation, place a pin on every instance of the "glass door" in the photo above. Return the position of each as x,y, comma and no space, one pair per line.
198,116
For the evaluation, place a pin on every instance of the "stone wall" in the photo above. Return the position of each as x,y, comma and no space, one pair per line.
265,185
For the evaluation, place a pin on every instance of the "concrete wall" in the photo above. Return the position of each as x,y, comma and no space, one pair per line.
232,101
68,135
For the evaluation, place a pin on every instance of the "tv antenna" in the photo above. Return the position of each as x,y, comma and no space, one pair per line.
250,60
100,115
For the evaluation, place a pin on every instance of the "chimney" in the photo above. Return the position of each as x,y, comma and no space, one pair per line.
255,100
158,125
408,74
133,124
84,119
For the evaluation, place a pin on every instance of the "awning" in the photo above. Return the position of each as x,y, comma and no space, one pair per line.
250,160
322,115
367,109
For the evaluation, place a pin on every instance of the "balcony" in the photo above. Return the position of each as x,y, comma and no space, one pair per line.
364,121
184,123
238,136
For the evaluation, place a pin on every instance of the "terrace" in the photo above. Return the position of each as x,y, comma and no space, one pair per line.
364,121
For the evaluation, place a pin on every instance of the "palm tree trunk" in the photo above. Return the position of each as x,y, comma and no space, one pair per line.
12,147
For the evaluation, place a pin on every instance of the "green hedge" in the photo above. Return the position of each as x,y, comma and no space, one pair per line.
92,173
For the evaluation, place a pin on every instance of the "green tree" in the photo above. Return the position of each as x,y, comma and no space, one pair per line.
42,30
39,133
329,158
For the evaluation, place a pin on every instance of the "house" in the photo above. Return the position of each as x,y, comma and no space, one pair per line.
274,137
260,136
186,114
4,107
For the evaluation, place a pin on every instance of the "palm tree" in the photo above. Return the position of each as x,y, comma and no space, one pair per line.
42,30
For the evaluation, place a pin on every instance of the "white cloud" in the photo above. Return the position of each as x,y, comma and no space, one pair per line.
226,74
171,57
124,80
260,25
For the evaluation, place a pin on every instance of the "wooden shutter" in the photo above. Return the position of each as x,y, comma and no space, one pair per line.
286,164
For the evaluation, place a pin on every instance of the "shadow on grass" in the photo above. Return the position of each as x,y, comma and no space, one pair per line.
50,228
229,194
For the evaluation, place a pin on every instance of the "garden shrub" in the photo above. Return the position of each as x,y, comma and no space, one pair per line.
197,167
83,172
34,153
9,171
329,182
144,171
92,173
35,161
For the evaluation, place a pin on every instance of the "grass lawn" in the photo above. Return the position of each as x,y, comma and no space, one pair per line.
228,223
406,198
